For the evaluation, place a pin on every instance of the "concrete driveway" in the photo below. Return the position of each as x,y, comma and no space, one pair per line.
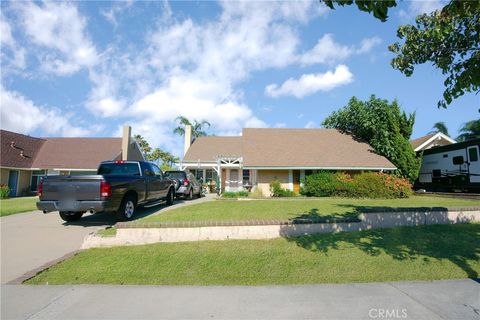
31,240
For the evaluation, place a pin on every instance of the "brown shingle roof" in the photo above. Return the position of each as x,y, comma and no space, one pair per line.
18,150
308,148
76,153
206,149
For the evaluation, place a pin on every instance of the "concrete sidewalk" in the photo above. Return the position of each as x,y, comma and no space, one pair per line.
455,299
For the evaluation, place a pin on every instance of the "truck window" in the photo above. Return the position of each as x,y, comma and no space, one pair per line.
119,169
473,154
156,170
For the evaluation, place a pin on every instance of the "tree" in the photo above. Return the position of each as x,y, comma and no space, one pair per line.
448,38
155,155
197,127
469,131
384,126
144,145
440,127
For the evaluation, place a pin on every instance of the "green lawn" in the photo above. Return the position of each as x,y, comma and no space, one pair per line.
408,253
289,209
17,205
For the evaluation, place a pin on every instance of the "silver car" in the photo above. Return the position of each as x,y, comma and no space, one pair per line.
186,185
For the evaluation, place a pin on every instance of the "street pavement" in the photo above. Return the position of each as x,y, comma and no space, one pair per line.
450,299
30,241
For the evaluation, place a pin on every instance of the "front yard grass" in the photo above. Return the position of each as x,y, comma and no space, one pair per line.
328,208
408,253
17,205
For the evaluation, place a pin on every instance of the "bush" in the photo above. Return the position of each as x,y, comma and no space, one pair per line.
239,194
363,185
4,191
257,193
277,190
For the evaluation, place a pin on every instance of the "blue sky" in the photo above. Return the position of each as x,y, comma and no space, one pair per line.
87,68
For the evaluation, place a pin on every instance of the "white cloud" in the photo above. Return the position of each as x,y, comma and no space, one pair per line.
20,114
327,51
416,8
60,28
309,84
17,58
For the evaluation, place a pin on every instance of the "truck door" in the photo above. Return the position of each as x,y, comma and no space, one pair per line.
473,164
161,184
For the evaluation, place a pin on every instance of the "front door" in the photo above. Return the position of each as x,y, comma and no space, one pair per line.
13,182
233,179
473,164
296,181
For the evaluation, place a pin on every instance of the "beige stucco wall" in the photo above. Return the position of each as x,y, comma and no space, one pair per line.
4,176
264,177
24,182
134,154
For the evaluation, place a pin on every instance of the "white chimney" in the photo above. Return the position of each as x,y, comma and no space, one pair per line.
188,138
127,130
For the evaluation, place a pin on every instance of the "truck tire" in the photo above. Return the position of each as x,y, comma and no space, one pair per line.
127,208
170,197
70,216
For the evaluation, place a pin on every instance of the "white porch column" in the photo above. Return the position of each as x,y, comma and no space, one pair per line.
302,178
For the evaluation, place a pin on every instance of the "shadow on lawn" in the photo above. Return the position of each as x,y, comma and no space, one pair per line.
314,216
459,244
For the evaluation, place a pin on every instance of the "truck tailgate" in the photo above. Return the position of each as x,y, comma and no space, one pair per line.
72,188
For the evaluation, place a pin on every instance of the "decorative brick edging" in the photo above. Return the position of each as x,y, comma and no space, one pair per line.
138,233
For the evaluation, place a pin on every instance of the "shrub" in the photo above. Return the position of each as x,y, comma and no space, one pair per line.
364,185
277,190
4,191
257,193
239,194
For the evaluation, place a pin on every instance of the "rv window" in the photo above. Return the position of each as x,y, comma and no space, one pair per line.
473,154
458,160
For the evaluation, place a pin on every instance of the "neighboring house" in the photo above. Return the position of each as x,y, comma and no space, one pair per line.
259,156
431,140
25,159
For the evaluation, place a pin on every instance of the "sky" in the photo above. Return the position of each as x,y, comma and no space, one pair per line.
87,68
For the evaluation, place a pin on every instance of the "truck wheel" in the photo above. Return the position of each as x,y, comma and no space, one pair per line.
127,208
170,197
70,216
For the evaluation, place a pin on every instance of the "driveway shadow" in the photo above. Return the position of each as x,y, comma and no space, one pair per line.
106,219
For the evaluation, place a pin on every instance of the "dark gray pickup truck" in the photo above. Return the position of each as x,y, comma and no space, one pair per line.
119,187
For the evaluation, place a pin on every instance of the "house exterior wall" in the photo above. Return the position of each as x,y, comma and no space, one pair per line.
24,179
264,177
4,176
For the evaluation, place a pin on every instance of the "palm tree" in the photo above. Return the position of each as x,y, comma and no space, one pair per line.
469,131
440,127
197,127
143,144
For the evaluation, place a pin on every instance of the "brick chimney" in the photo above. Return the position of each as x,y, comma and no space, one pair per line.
127,130
188,139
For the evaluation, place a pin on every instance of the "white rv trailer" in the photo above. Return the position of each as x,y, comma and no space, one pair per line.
451,167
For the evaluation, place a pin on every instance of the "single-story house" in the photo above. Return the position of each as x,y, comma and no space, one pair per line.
25,159
259,156
431,140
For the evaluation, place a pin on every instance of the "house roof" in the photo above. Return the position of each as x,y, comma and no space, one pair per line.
308,148
436,138
18,150
76,153
207,149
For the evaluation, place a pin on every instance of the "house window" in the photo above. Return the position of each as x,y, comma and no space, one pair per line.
246,177
198,173
36,175
210,175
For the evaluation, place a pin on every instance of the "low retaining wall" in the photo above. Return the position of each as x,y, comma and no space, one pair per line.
138,233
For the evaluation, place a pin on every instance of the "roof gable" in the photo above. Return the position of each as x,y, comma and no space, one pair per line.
431,140
207,149
18,150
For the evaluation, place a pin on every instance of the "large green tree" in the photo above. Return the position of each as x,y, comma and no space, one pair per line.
198,127
469,131
384,126
440,127
448,38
